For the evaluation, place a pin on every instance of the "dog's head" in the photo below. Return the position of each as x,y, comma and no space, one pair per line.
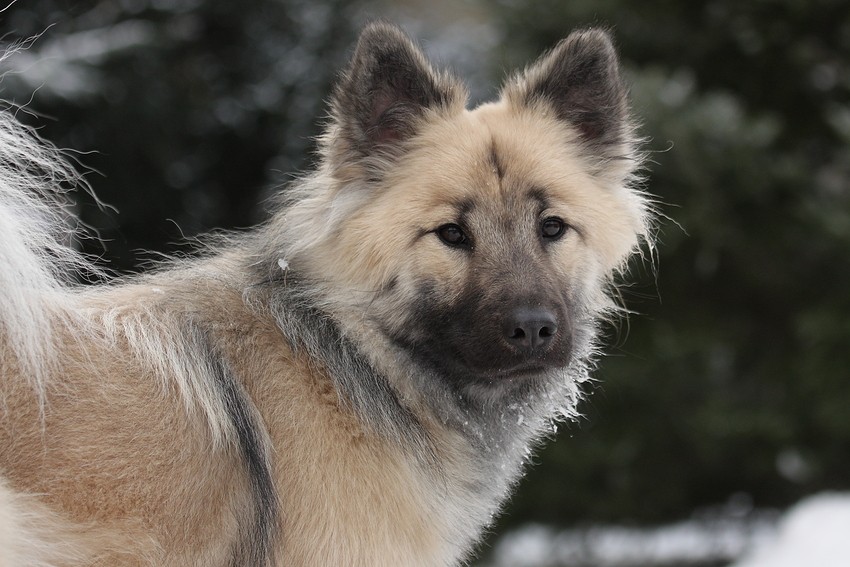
479,241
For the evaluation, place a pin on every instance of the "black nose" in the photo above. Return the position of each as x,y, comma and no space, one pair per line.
531,329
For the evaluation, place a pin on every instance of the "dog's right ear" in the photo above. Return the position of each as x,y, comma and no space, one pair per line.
382,99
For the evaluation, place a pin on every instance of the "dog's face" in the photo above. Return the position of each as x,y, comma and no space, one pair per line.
479,241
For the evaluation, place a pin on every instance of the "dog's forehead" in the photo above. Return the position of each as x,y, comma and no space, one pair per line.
497,156
525,143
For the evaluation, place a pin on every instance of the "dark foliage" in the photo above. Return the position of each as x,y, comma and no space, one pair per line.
189,110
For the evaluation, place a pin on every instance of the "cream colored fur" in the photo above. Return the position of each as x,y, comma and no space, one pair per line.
139,417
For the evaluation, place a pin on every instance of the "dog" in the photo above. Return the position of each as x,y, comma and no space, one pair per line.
357,382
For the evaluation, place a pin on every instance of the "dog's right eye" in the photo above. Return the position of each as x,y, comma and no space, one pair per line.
453,235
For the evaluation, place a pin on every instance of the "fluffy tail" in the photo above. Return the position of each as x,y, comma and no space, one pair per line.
37,262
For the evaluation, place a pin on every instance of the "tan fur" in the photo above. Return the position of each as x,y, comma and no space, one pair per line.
335,479
147,438
99,429
33,535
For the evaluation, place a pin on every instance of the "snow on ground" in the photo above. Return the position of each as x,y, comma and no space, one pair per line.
814,532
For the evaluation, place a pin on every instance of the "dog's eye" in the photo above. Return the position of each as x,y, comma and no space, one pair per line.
452,235
552,228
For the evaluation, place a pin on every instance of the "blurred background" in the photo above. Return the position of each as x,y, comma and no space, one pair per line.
724,397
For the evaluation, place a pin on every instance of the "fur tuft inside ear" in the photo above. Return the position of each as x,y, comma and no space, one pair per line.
580,80
384,95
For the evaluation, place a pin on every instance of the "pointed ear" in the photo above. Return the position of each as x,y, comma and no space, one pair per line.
384,96
580,81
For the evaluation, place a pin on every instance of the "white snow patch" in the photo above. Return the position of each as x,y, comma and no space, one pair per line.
617,546
814,532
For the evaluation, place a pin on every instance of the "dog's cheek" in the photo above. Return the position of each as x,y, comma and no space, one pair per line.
417,317
441,328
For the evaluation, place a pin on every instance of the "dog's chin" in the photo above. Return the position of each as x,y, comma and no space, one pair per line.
498,388
521,373
526,376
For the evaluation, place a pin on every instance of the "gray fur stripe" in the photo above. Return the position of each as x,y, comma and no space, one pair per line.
257,534
360,384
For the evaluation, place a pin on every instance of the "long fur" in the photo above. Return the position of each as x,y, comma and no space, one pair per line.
291,396
35,255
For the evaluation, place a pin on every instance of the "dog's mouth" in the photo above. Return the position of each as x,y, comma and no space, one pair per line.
462,363
521,370
495,363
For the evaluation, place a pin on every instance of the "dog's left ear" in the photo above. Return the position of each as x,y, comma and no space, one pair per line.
580,81
383,97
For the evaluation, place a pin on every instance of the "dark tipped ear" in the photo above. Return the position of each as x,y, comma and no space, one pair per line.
580,80
383,96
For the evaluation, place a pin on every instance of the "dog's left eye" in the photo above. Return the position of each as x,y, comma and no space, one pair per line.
552,228
453,235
